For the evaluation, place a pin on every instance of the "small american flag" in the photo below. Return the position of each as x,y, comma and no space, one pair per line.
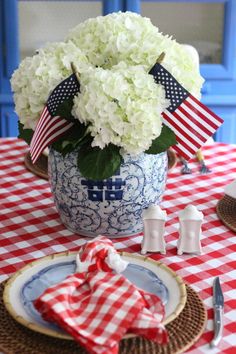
51,126
192,122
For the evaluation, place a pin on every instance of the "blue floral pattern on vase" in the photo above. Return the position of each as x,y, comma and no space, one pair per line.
111,207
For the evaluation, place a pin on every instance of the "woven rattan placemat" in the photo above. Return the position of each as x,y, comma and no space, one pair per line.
40,168
184,331
226,211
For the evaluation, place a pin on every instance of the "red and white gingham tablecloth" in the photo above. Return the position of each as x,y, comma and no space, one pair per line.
30,228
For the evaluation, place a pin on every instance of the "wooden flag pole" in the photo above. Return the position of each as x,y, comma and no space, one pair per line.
74,70
160,58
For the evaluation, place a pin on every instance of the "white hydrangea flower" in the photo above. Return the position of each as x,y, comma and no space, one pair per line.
129,37
37,76
119,100
121,106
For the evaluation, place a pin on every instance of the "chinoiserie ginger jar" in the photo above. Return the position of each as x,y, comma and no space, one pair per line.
111,207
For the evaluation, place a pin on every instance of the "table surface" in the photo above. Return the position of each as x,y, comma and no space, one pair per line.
31,228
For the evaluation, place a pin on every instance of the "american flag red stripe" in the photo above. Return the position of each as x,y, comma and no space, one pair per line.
192,125
51,125
47,131
182,141
192,122
204,131
40,129
214,119
198,112
184,126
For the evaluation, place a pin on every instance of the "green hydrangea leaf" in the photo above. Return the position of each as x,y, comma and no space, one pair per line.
97,164
25,134
163,142
73,138
64,109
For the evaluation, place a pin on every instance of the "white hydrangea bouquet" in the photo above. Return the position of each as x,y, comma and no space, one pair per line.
119,107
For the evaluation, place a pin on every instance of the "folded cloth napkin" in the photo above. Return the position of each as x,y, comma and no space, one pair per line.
98,306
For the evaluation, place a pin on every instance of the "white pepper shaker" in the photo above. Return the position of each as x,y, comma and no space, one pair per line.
190,222
154,219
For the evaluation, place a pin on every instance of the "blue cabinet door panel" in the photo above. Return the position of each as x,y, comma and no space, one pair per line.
10,37
9,60
112,6
8,123
227,69
227,132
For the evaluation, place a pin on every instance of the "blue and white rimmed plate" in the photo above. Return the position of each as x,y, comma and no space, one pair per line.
29,282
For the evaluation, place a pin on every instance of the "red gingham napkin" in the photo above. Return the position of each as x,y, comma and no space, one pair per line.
98,306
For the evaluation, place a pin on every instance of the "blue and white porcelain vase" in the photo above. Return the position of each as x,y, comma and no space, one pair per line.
111,207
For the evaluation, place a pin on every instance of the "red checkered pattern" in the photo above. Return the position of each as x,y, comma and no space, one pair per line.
98,307
30,228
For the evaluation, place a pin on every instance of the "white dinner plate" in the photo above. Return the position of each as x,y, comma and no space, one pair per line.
30,282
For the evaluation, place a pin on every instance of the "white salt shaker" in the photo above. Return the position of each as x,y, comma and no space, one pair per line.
154,219
190,220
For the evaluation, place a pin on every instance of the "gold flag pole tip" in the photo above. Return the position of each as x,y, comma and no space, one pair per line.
74,70
160,58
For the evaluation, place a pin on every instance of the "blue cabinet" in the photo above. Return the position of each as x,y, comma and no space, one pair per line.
110,6
219,69
9,59
18,21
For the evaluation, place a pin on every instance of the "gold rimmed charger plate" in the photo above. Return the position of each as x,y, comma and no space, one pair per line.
183,332
40,167
12,291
